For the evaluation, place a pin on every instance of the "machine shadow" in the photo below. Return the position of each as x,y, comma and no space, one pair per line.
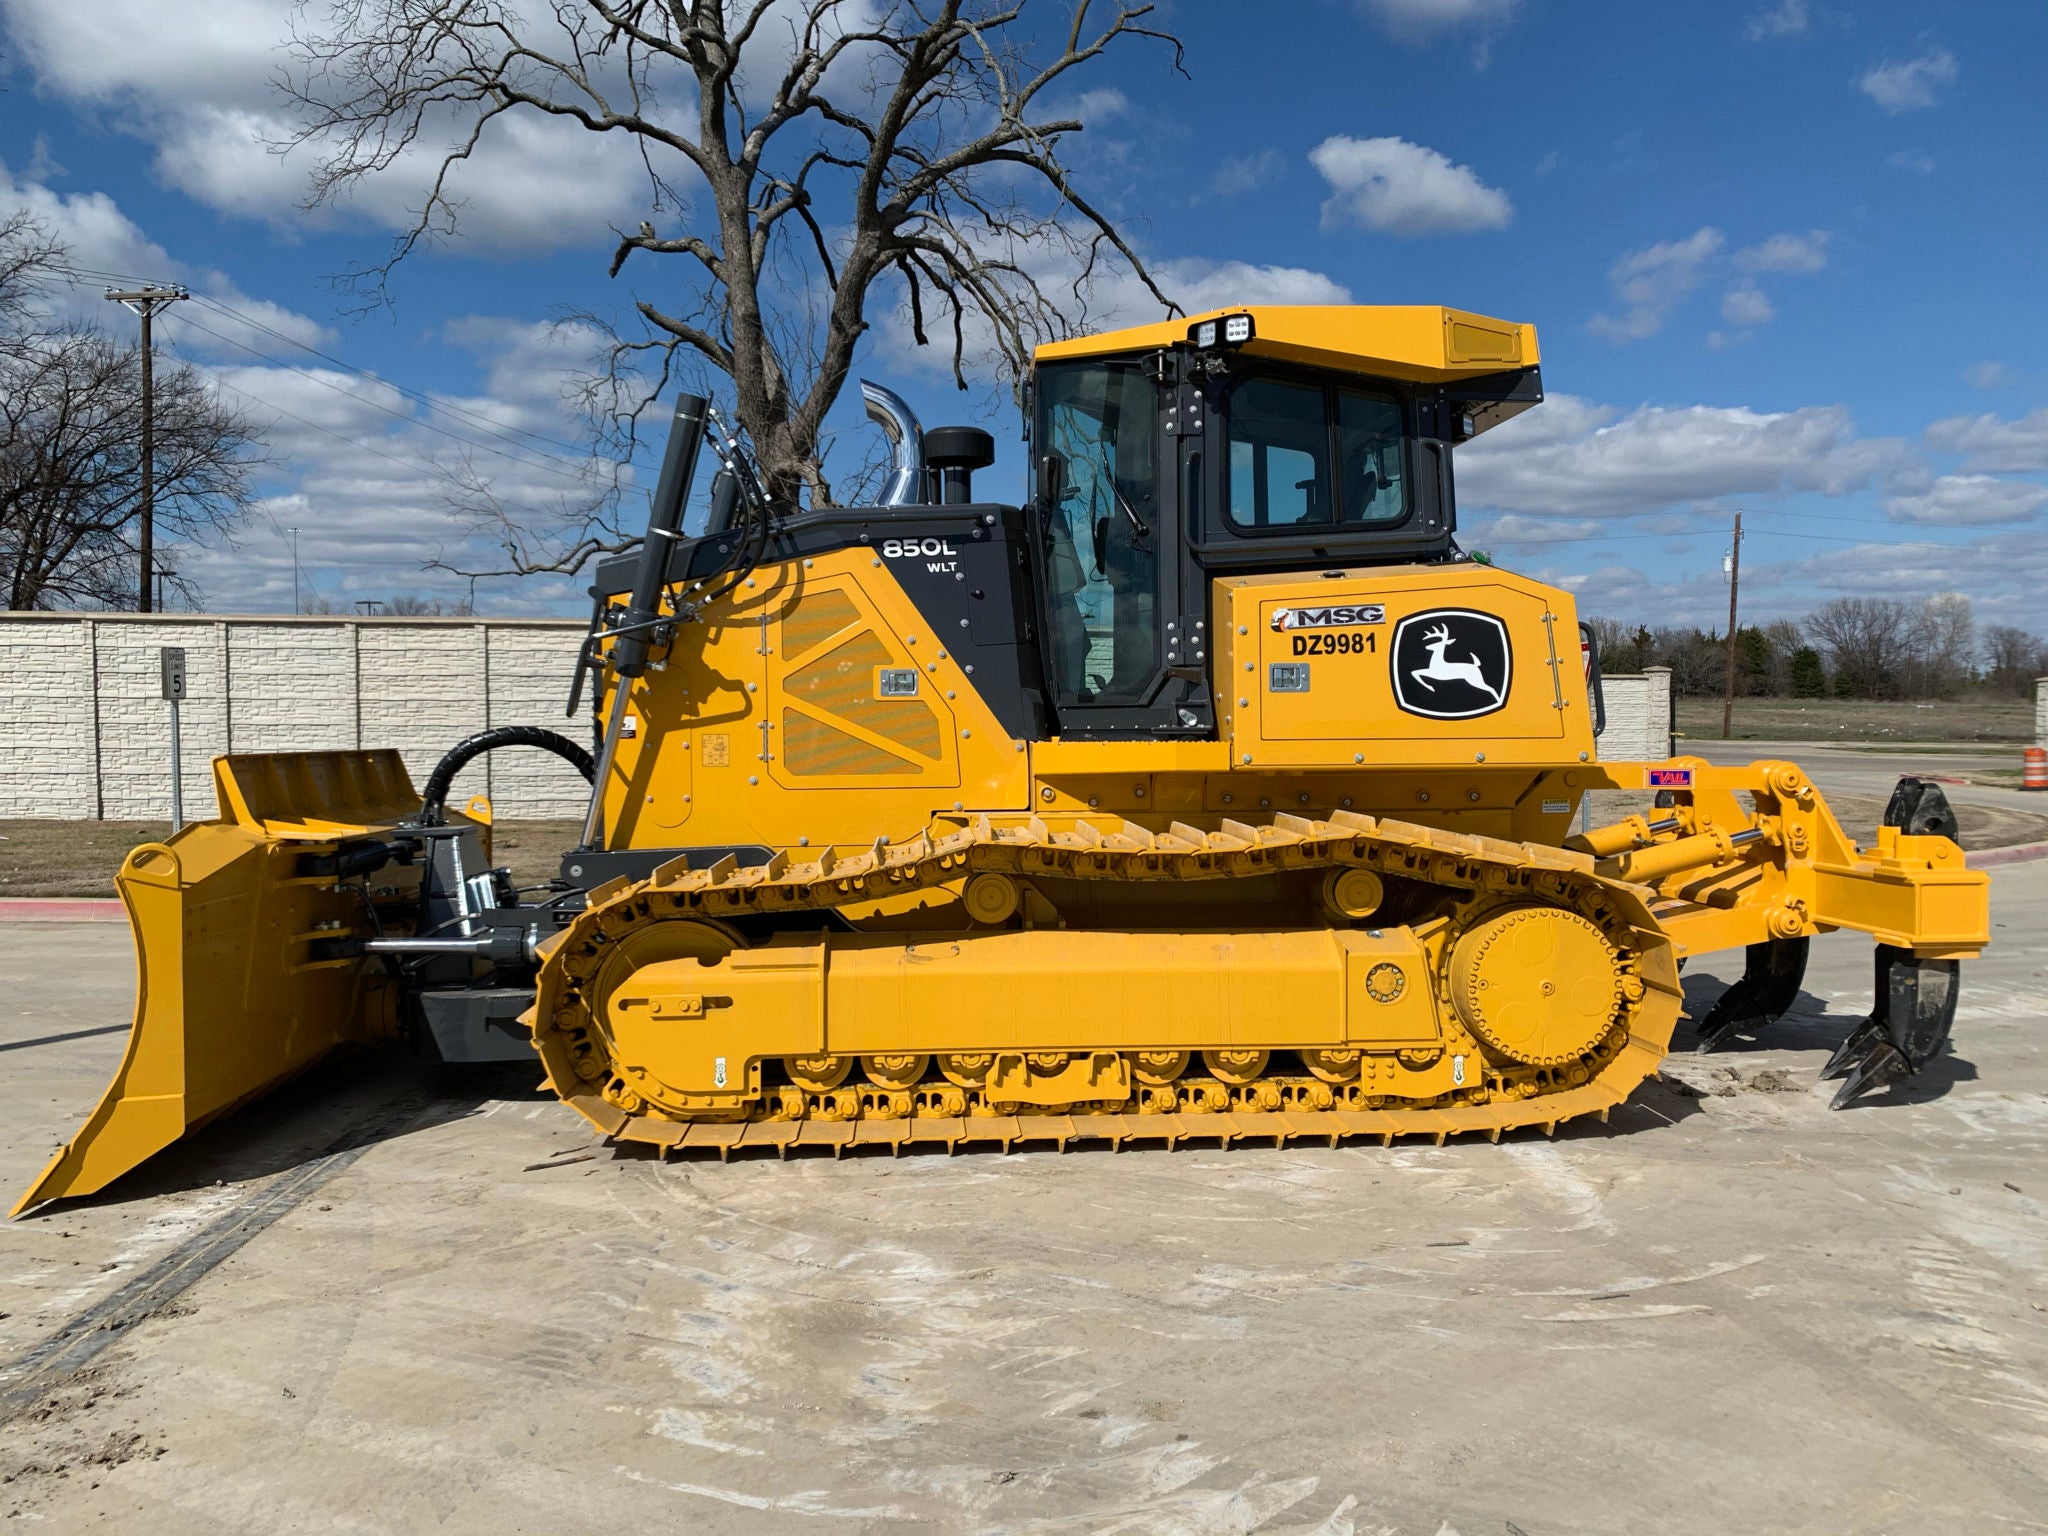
348,1102
1812,1029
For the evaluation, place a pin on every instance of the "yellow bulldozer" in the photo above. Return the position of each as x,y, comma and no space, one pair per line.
1210,793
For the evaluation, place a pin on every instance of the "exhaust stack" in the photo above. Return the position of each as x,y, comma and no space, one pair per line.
907,482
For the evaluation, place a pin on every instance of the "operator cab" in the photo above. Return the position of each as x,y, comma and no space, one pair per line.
1276,439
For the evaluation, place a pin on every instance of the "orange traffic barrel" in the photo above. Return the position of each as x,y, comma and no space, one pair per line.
2035,774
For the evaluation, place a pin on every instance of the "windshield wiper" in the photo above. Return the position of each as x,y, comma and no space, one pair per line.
1138,524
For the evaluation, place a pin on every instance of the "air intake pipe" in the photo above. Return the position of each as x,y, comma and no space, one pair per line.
908,484
955,453
664,528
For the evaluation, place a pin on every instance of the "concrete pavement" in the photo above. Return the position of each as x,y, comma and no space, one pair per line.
1728,1310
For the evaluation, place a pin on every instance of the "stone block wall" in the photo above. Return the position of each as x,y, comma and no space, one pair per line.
85,732
1638,717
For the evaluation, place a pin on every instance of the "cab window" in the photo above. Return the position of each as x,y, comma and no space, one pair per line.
1285,439
1103,569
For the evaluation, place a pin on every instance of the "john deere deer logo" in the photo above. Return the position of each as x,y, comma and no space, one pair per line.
1451,664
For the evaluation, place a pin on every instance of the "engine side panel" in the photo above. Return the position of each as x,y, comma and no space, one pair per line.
1400,667
816,674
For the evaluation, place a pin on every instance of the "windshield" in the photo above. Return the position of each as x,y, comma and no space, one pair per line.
1284,437
1100,422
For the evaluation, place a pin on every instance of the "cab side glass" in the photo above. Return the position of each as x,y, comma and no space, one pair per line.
1284,438
1101,511
1372,456
1279,455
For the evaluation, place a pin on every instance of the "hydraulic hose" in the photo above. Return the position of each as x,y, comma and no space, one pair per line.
470,748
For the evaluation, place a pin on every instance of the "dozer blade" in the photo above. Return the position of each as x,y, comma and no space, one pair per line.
1769,985
1908,1025
229,998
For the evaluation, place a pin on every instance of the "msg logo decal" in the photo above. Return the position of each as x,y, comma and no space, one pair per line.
1329,618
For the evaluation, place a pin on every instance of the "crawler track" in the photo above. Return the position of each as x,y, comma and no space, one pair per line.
1468,875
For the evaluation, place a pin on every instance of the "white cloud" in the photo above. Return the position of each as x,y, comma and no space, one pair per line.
1968,501
364,471
2002,573
1787,253
222,51
1240,174
1520,529
105,242
1574,458
1651,283
1788,18
1088,107
1198,285
1417,21
1988,375
1746,307
353,461
1988,442
1113,298
1918,161
1909,85
1391,185
197,85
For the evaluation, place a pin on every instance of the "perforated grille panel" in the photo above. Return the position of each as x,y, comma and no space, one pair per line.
811,746
834,719
816,618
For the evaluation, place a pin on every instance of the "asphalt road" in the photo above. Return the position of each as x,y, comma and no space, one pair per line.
450,1310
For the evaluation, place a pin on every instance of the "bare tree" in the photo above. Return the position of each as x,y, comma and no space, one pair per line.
70,429
2013,658
411,605
1865,641
805,160
1941,646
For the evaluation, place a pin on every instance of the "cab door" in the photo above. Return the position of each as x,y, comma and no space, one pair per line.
1126,644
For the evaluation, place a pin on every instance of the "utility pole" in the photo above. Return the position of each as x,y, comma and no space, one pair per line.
146,302
1734,585
297,603
163,574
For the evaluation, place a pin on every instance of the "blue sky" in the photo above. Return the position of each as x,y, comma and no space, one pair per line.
1783,255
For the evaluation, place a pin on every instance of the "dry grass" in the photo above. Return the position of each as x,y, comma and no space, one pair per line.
1861,720
69,858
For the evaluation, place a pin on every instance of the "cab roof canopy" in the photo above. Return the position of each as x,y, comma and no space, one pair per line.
1419,343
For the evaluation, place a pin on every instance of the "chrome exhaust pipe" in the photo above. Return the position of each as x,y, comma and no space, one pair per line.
907,485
